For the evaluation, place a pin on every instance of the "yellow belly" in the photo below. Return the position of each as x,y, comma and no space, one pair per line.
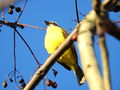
53,41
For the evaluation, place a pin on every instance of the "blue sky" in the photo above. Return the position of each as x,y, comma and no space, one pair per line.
63,12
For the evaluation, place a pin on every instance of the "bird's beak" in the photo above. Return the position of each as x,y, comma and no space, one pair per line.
47,23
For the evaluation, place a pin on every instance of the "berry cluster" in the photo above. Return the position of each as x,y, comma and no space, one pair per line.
12,7
18,80
51,83
22,82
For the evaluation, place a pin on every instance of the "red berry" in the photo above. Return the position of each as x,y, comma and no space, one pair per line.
74,37
49,82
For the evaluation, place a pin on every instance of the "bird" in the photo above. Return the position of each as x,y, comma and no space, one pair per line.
55,36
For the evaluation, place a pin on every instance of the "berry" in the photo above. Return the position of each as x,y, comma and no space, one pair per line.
5,84
54,85
11,80
23,85
22,27
74,37
12,6
18,9
10,11
49,82
21,81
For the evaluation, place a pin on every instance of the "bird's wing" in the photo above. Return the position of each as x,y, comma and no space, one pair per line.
65,34
74,53
64,65
72,46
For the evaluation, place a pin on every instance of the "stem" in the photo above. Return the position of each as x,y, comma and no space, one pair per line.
30,26
14,51
28,47
21,11
77,15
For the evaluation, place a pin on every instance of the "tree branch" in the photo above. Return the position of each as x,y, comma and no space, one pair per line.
105,61
101,21
20,25
88,59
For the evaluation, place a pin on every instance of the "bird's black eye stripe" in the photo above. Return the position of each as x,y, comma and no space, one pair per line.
55,24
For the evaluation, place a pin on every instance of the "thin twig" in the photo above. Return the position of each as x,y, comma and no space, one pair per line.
14,53
82,14
28,47
14,50
14,26
44,84
30,26
77,14
21,11
20,25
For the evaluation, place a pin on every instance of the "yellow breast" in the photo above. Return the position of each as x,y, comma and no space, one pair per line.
53,39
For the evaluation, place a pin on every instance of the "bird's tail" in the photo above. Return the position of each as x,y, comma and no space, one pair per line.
79,74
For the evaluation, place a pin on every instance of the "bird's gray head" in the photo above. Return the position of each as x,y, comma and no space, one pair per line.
51,23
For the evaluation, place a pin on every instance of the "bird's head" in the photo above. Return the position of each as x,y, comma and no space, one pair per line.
51,23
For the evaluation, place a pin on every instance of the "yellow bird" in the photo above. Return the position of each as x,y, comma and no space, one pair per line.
55,36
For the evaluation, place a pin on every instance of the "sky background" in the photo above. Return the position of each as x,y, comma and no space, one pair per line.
62,12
